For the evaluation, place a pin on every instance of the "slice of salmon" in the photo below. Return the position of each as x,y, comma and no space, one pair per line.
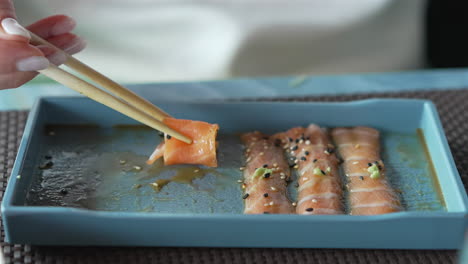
202,151
266,176
312,155
360,149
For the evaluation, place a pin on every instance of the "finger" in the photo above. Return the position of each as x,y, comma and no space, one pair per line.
52,26
16,79
70,43
10,29
18,56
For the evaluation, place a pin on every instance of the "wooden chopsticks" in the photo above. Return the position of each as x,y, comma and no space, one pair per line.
129,103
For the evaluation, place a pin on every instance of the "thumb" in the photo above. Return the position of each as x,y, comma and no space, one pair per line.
10,28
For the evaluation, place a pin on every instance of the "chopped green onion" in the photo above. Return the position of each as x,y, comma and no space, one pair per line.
261,172
318,171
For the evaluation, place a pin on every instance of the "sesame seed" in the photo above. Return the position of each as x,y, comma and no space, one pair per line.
282,174
267,175
328,170
369,164
155,184
356,162
294,204
305,179
168,137
18,176
361,177
309,209
301,141
314,200
282,177
272,203
292,152
261,153
247,150
244,186
240,181
123,162
323,172
277,142
63,191
248,159
307,153
297,140
296,166
294,148
242,168
266,213
326,152
296,161
273,188
266,204
290,140
138,168
265,195
315,160
296,185
265,165
303,158
307,142
245,196
275,164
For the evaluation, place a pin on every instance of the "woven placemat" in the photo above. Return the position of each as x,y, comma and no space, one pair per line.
454,115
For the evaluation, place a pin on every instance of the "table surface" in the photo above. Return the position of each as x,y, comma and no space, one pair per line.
424,83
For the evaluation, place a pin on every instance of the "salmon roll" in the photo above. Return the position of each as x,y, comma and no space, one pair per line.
369,191
266,176
312,155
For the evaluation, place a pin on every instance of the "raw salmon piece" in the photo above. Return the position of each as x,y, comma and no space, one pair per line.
202,151
266,175
309,150
360,149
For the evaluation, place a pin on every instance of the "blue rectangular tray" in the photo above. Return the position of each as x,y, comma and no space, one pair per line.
188,214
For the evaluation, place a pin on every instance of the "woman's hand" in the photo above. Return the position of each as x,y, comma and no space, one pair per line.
20,60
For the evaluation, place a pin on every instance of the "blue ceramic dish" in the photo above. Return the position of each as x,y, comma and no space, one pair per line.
187,214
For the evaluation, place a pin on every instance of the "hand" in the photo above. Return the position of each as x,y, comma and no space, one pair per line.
20,60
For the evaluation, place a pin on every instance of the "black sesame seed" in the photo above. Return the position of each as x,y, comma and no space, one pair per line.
265,195
295,148
267,175
265,165
277,142
290,140
48,157
369,164
307,153
245,196
361,177
315,160
307,138
266,213
168,136
323,172
376,162
380,167
309,209
292,165
296,185
330,150
303,158
297,140
63,191
161,134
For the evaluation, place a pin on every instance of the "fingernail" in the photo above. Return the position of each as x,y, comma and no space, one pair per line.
78,45
34,63
64,27
57,58
12,27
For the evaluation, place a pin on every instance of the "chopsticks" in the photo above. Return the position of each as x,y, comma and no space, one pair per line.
129,103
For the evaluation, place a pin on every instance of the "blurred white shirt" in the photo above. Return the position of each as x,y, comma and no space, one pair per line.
138,41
